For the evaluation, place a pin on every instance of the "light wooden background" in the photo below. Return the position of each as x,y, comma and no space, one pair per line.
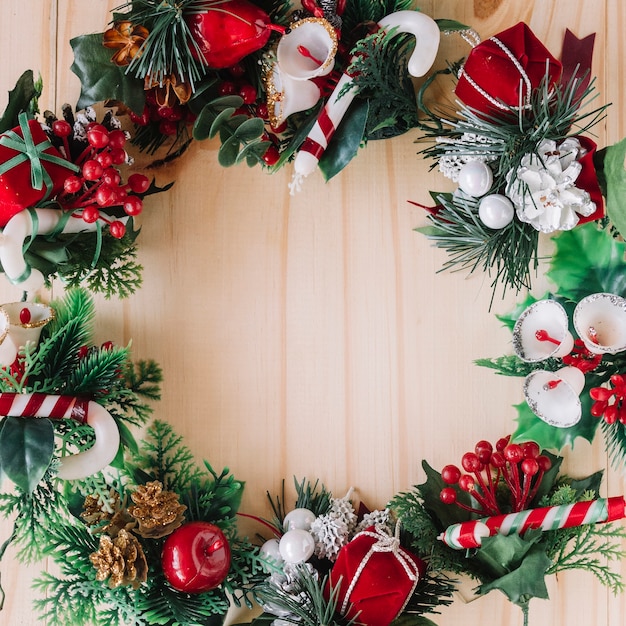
310,335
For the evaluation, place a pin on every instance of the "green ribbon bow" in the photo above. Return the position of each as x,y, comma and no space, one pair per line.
35,153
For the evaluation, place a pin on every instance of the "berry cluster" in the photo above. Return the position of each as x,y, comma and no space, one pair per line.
582,358
518,467
98,184
602,396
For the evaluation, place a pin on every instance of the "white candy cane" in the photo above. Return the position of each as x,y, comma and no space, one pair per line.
14,234
107,436
427,37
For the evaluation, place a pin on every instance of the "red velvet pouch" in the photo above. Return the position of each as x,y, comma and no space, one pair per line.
376,577
492,69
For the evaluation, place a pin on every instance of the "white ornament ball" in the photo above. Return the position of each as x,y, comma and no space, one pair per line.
298,518
296,546
475,178
270,550
496,211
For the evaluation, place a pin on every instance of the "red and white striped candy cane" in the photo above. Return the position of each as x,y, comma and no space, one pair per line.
470,534
107,436
427,35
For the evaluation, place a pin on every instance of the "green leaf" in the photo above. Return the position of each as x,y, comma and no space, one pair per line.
26,449
587,260
346,141
615,177
19,99
251,129
519,566
101,79
590,483
298,137
227,154
509,319
450,25
530,427
203,127
222,116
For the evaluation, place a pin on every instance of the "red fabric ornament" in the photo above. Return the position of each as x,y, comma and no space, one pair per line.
376,577
229,32
31,169
503,68
588,180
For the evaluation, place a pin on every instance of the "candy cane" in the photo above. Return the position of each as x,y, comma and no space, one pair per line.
470,534
107,436
427,37
22,225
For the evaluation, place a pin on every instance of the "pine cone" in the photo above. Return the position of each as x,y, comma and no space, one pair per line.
121,560
158,512
95,512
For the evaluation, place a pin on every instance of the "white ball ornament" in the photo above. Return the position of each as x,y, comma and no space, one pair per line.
270,550
298,518
296,546
496,211
475,178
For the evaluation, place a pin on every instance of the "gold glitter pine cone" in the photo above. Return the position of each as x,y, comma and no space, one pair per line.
157,512
121,560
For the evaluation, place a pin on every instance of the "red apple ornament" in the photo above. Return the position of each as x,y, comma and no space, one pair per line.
229,32
196,557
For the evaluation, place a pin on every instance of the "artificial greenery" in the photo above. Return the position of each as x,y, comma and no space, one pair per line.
515,565
586,260
508,255
76,597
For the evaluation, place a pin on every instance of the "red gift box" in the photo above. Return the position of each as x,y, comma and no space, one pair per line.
504,68
376,577
31,169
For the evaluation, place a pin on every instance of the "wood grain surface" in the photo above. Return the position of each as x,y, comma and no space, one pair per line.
312,336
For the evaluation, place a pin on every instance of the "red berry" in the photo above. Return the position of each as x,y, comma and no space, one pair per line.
92,170
502,443
61,128
25,316
227,88
120,194
262,110
90,214
237,70
111,177
601,393
83,352
281,128
133,205
498,460
105,159
466,483
513,453
117,229
105,196
175,114
450,474
117,138
448,495
168,128
138,183
118,156
107,345
544,463
610,414
247,93
271,156
98,136
531,450
530,466
72,184
483,450
471,462
140,120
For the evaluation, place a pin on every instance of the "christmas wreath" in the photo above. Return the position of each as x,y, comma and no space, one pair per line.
144,535
519,149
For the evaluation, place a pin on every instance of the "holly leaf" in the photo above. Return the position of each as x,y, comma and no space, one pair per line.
615,179
429,492
19,98
26,450
590,483
100,79
587,260
346,141
519,566
450,25
531,427
509,319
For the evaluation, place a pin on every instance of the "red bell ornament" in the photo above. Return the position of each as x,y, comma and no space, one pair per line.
376,577
229,31
502,71
196,557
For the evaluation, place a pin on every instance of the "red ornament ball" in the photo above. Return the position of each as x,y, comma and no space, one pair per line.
196,557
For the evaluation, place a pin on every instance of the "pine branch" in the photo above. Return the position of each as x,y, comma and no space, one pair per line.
512,365
314,497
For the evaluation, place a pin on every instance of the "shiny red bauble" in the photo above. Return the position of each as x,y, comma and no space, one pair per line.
196,557
230,32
